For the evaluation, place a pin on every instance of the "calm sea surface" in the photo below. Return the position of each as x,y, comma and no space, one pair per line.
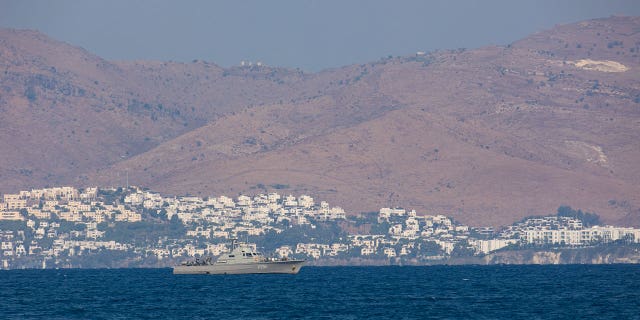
438,292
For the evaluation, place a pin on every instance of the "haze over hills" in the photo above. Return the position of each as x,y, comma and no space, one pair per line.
487,135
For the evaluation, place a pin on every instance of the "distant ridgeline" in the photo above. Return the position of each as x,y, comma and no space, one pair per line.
134,227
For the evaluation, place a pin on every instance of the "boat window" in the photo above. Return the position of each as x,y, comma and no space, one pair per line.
232,256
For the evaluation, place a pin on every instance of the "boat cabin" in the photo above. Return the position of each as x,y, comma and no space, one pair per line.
241,253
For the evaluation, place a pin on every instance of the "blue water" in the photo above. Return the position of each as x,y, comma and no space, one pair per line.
436,292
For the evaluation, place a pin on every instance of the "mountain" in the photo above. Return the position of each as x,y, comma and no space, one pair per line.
486,135
66,112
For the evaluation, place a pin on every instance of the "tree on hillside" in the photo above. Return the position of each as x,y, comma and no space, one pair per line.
588,219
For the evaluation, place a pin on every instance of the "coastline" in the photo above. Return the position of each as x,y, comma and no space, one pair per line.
560,256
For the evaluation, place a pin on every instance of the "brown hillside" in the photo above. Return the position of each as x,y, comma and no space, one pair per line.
488,135
65,112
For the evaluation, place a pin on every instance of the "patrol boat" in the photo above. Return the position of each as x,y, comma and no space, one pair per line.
242,259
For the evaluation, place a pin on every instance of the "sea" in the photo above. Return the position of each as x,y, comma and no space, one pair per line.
390,292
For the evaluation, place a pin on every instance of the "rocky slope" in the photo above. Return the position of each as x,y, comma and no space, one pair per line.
487,135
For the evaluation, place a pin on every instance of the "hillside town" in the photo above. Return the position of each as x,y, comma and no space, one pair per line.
114,227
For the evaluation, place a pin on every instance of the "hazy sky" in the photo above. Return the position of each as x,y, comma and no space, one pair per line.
309,34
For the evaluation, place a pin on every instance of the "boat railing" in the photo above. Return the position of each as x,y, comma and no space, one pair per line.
198,262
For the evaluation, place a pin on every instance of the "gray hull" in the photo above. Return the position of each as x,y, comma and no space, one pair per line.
291,267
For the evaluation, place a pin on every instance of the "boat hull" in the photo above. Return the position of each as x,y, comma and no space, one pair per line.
290,267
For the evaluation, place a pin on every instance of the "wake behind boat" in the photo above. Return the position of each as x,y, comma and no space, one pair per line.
242,259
